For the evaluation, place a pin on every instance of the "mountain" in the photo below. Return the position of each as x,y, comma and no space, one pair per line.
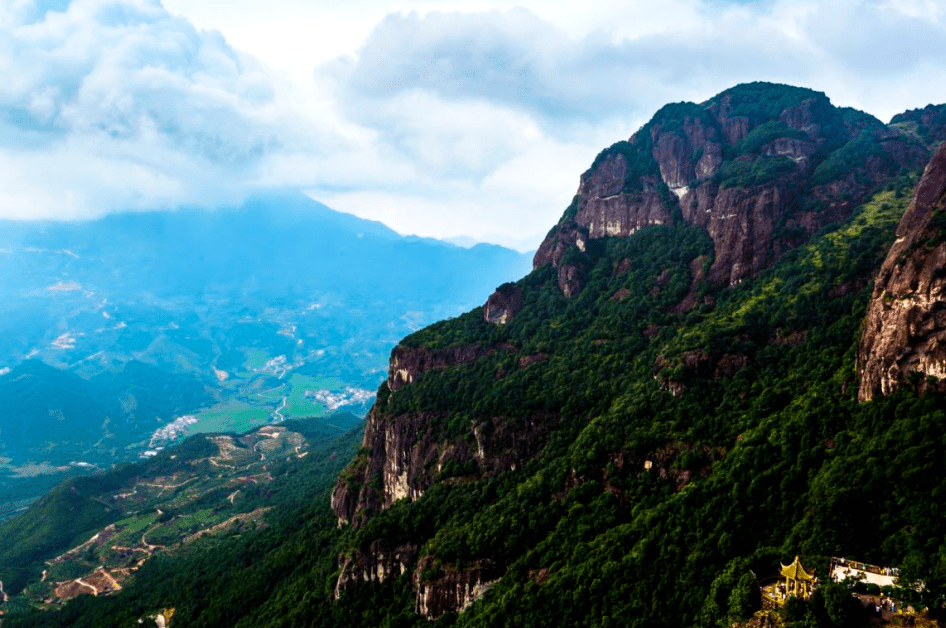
281,308
758,167
678,313
653,419
171,287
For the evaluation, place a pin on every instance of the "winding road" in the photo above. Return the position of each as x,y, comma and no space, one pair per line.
277,414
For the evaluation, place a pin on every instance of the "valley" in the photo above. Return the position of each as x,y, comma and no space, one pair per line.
132,332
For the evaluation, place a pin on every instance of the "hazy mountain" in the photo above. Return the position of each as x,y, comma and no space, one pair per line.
279,308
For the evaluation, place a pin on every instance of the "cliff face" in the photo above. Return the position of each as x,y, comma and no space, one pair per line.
404,454
741,166
378,564
904,335
503,305
469,402
451,591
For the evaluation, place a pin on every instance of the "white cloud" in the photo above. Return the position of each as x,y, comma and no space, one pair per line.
462,117
111,105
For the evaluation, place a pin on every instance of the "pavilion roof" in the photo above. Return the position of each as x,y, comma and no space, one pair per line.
795,571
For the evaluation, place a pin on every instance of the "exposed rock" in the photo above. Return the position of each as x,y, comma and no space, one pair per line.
570,280
404,455
621,294
664,462
453,590
730,364
905,327
621,214
677,462
349,496
377,565
503,305
795,149
526,360
698,273
561,238
750,225
675,151
409,363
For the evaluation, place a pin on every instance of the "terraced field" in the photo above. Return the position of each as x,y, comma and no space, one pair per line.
215,484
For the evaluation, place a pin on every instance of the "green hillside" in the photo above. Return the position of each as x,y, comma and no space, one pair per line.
208,485
609,458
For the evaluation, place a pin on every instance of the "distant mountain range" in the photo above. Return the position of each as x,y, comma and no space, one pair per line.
279,308
169,287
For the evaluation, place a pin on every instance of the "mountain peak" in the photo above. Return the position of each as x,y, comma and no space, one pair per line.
761,167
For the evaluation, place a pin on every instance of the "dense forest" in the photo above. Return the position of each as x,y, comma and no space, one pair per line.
676,456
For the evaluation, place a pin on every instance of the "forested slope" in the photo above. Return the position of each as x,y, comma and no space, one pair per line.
635,433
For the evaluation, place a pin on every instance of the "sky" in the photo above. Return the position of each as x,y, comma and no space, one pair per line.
440,118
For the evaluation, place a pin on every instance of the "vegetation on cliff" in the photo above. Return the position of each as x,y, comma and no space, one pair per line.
684,437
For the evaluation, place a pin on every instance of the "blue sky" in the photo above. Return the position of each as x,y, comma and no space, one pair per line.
440,118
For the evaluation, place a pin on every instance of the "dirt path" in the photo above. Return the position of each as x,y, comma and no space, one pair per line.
247,516
133,492
111,580
165,487
148,546
75,550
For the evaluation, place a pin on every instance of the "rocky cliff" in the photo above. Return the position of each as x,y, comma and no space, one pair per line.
719,192
904,335
403,453
760,167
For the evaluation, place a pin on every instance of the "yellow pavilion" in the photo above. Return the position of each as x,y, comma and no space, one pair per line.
798,582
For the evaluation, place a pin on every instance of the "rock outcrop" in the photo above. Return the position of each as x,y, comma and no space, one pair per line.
403,455
503,305
452,590
736,166
904,334
378,564
409,363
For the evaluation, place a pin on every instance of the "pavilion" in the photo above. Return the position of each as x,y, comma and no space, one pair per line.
798,582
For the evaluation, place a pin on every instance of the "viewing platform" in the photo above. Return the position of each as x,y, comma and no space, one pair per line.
842,568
